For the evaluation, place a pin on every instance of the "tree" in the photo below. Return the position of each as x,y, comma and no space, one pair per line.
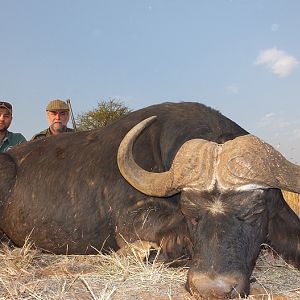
104,114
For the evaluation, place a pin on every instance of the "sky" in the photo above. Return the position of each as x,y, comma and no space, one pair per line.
240,57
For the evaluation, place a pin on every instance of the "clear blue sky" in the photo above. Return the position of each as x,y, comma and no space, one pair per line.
240,57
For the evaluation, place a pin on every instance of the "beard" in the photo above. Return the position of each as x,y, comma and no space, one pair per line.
4,128
61,129
58,127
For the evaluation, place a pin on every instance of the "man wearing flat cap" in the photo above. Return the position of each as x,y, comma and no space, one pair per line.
58,114
8,139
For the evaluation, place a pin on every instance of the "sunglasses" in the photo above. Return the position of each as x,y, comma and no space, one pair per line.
6,105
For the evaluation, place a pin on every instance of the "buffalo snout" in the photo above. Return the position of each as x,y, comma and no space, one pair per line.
210,285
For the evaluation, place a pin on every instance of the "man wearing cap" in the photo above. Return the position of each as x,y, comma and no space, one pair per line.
58,114
8,139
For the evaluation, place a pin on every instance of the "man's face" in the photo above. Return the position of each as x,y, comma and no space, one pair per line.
58,121
5,119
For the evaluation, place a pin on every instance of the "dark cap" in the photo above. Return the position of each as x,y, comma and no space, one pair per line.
57,105
6,105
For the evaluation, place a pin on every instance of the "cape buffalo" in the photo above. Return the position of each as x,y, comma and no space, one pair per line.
188,179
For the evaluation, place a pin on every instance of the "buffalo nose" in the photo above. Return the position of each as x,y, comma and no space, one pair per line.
217,286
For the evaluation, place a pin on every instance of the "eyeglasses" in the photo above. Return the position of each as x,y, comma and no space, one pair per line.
6,105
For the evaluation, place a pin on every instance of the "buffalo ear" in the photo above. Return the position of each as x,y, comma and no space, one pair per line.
284,231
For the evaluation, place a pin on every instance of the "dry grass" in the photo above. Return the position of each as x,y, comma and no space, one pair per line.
293,200
26,273
273,275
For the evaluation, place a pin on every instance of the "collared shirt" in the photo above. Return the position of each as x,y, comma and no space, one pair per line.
47,132
11,139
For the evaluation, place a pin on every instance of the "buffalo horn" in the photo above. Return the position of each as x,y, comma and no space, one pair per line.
150,183
249,160
192,166
244,161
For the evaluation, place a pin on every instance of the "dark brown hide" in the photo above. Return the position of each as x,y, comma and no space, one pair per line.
67,193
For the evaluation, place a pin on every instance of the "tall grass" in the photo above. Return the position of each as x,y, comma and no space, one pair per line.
28,274
293,201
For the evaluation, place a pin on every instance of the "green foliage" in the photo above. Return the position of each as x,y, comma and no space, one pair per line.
103,115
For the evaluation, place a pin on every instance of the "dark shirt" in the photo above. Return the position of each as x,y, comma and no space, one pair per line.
47,132
11,139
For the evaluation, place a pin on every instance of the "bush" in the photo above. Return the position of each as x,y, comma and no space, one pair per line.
103,115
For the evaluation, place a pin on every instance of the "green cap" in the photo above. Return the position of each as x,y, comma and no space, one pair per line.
57,105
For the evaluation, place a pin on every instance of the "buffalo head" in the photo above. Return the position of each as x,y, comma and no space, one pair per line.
229,198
